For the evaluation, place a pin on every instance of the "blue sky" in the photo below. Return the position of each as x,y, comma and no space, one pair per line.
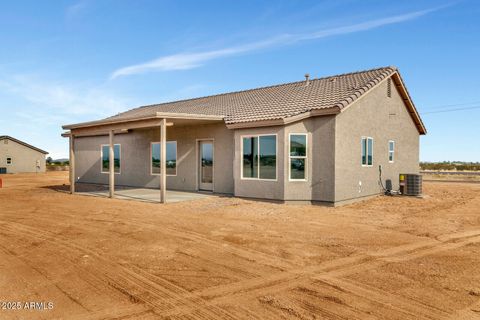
72,61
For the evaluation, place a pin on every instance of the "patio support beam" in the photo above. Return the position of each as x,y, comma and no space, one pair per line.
111,162
125,125
72,163
163,161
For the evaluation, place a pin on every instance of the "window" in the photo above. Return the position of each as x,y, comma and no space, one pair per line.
259,157
298,156
367,151
250,157
268,157
9,160
391,151
171,158
106,160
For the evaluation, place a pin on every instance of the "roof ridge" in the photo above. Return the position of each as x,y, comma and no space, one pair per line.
259,88
23,143
356,72
366,87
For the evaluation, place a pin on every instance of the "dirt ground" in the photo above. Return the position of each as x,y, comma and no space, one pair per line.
227,258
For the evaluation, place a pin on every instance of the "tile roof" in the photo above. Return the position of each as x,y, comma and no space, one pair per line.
23,143
275,102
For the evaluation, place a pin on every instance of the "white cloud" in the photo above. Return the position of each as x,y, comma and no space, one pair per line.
59,100
38,107
364,26
183,61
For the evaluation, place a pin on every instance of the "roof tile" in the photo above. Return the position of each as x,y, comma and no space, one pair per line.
273,102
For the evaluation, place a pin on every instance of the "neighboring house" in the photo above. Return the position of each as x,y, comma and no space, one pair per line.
17,156
319,140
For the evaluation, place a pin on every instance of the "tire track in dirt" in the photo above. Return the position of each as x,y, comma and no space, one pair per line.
91,278
332,269
406,306
275,283
266,259
160,295
346,265
38,271
449,245
471,312
277,280
426,243
128,312
404,256
248,254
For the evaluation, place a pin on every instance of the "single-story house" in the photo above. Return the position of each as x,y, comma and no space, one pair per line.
315,140
17,156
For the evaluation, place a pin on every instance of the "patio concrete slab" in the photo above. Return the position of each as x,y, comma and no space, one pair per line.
140,194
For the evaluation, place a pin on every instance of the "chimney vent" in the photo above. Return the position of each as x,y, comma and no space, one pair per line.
307,79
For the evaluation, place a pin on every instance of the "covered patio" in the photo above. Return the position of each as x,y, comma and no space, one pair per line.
115,127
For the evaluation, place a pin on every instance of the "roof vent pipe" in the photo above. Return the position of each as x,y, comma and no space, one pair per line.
307,79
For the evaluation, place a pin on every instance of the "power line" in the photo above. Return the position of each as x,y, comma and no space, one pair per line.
452,105
451,110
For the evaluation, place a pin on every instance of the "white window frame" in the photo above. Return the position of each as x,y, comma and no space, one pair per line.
366,150
6,161
258,152
119,154
197,157
290,157
392,152
176,159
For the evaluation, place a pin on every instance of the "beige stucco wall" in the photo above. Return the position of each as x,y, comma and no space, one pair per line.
382,118
135,158
319,185
320,181
24,159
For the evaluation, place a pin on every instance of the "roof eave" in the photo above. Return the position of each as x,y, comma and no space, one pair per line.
409,102
104,122
283,121
157,115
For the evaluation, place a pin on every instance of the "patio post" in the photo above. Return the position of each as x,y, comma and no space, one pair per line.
111,162
163,161
72,163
